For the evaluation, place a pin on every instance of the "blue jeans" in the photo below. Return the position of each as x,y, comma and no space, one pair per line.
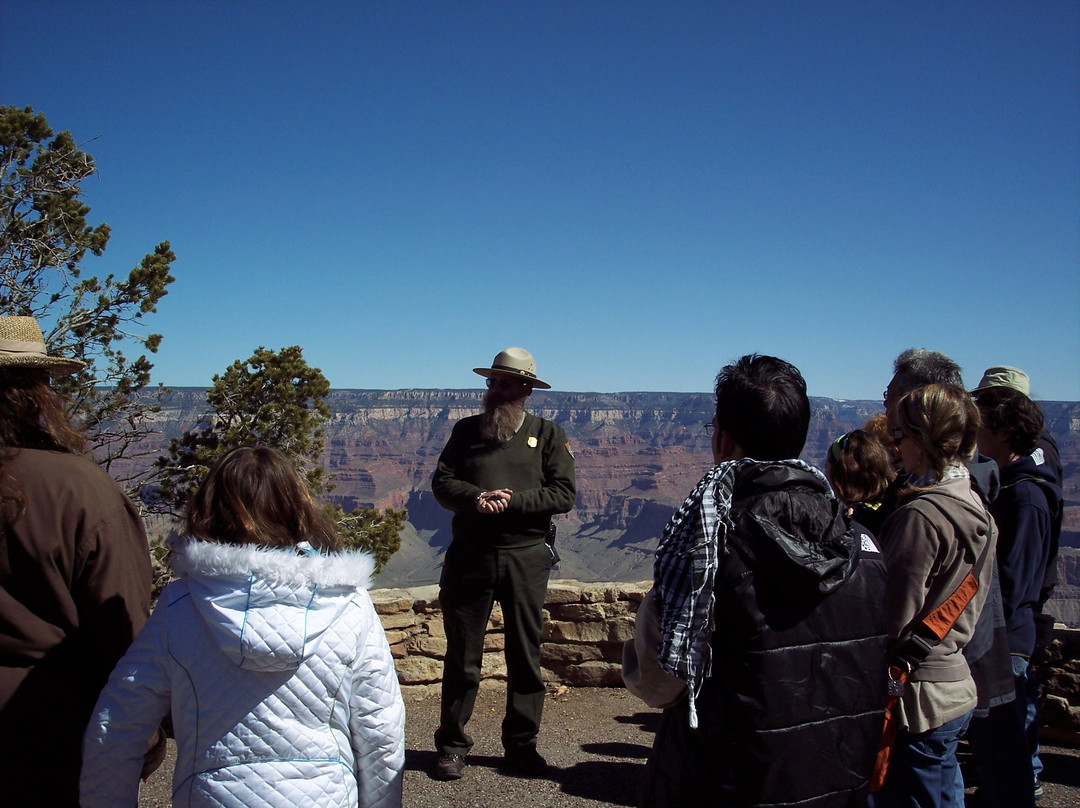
1027,706
923,771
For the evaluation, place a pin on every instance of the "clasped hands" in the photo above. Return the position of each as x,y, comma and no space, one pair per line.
493,501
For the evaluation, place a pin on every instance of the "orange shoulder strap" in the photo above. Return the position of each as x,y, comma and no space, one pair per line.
941,620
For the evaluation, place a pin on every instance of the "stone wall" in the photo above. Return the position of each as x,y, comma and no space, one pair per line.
1058,669
585,626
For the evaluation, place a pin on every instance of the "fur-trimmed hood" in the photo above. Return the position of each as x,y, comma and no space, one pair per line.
267,609
352,568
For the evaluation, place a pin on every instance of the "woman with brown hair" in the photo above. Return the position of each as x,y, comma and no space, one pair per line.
268,653
74,575
860,471
939,534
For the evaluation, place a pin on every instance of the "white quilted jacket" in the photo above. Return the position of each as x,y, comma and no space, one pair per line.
279,679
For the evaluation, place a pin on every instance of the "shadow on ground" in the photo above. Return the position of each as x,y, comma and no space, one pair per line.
612,782
649,722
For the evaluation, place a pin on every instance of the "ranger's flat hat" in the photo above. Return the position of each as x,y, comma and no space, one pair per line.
516,362
23,346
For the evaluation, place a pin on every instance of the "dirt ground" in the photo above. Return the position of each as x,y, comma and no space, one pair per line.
596,740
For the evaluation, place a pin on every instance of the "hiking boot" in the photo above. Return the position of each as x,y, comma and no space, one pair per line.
450,767
525,763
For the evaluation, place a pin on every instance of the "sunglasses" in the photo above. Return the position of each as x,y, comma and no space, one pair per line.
505,384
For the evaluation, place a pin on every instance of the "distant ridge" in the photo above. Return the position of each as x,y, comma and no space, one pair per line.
637,455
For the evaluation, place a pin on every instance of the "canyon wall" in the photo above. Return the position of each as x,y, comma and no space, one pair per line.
637,455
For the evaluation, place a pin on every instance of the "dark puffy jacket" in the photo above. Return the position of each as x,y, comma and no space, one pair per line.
792,713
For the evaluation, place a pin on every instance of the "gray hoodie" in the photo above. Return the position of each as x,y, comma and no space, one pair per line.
930,545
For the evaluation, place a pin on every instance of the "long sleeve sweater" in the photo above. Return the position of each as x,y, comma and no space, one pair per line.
536,464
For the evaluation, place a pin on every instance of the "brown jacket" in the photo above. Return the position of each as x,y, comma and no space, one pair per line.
930,545
74,590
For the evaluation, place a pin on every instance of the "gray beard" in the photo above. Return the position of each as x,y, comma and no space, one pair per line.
500,421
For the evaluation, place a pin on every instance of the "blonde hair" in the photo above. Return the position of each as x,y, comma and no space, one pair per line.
942,420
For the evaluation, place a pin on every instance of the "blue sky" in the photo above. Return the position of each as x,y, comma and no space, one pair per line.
635,192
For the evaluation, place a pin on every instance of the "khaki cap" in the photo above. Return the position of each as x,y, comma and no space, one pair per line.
1004,376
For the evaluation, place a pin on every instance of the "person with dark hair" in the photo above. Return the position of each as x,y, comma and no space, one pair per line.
268,653
503,474
1001,762
74,576
761,404
940,536
1011,424
764,634
860,471
1028,513
1046,448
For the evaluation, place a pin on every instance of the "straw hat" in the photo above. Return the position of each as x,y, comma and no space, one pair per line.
23,346
516,362
1003,376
